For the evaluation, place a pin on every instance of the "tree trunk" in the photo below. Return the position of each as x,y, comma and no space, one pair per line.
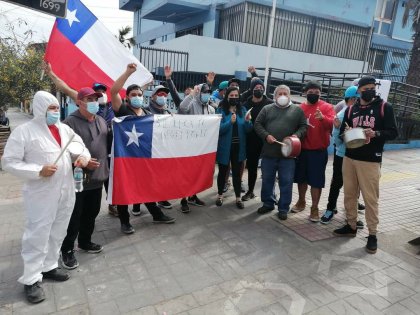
413,75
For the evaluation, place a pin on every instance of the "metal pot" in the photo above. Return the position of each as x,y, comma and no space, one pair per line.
354,138
291,147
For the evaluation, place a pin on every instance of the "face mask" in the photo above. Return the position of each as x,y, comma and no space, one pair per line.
136,101
258,93
368,95
92,107
233,101
103,100
161,100
312,98
283,100
205,98
52,117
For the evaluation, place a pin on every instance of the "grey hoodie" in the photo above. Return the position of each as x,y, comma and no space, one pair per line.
94,135
192,105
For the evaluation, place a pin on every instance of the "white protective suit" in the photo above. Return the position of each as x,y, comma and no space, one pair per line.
48,201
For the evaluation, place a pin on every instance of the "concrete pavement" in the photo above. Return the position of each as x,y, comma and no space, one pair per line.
229,261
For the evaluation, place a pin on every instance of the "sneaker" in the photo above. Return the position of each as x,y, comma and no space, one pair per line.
282,215
56,274
164,219
91,248
327,216
264,209
194,200
372,244
165,204
314,216
239,204
298,207
127,228
112,210
360,225
346,230
34,293
242,188
68,260
136,211
185,208
219,201
249,195
360,206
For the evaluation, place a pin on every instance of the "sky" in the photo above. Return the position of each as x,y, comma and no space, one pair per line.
107,11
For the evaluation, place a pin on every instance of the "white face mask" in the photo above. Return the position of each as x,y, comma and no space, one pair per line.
283,100
103,99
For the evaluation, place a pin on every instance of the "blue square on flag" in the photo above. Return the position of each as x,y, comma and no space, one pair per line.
133,137
78,20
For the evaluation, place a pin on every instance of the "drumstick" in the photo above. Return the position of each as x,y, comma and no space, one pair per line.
64,149
282,143
347,125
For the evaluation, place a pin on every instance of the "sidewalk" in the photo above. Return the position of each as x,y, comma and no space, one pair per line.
229,261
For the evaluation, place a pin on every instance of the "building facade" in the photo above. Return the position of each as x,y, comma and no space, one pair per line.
322,35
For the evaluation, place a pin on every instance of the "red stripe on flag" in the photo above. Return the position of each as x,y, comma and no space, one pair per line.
139,180
72,65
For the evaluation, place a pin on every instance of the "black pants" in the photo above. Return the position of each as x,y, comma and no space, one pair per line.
236,172
152,207
253,152
82,221
336,182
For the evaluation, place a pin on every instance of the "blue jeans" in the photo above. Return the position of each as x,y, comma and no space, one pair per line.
285,168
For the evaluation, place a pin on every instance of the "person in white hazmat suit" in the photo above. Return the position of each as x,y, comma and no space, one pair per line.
48,193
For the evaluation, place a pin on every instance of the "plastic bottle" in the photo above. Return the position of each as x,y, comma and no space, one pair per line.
78,179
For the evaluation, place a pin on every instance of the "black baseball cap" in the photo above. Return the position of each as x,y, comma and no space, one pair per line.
234,80
99,86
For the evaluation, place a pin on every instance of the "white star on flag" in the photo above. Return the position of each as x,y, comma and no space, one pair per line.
71,17
133,136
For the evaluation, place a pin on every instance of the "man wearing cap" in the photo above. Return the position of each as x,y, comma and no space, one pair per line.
93,130
362,166
133,105
254,143
312,161
350,97
220,92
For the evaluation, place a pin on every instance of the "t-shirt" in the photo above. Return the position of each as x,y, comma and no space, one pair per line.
125,111
56,133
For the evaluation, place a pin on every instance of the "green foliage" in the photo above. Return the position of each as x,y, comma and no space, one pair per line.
20,68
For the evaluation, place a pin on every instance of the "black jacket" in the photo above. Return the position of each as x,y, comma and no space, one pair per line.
371,116
255,108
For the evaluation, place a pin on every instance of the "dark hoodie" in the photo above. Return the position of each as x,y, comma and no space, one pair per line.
94,135
371,116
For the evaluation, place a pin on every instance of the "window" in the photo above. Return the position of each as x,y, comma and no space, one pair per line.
376,60
196,30
384,14
152,41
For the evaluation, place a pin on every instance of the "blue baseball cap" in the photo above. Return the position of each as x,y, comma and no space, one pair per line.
351,92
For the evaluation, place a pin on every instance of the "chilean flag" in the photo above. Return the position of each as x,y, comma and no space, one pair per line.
161,157
82,51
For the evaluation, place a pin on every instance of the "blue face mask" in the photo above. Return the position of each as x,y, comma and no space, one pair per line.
52,117
136,101
92,107
161,100
205,98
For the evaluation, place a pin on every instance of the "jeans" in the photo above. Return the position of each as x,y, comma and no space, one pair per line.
236,172
82,221
285,168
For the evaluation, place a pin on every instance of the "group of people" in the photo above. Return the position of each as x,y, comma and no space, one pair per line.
251,128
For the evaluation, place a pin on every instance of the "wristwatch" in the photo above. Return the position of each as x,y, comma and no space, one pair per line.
377,133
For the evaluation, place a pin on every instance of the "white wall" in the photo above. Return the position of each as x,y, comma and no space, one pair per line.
222,56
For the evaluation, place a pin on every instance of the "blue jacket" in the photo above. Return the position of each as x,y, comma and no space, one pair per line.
225,137
340,147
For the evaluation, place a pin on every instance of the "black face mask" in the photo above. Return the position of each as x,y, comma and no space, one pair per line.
258,93
368,95
233,101
312,98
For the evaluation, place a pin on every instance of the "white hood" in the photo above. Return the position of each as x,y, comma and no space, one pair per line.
41,101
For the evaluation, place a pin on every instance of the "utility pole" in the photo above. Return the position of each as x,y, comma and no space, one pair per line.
270,41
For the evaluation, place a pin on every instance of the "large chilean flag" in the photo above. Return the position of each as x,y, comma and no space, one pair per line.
161,157
82,51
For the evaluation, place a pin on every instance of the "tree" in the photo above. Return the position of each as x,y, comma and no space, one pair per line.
412,10
20,66
122,33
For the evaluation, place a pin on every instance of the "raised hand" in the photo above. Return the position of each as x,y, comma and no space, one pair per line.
210,77
251,69
131,68
168,71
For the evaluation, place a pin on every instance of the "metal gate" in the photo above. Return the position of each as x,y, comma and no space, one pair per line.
154,59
